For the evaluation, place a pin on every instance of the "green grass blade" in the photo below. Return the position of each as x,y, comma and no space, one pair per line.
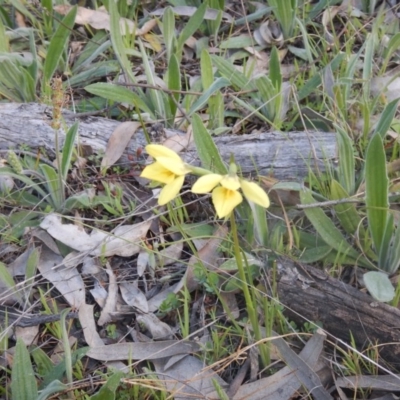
57,46
68,149
376,190
206,148
23,381
275,74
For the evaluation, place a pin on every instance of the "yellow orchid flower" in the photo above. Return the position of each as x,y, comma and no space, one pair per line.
168,168
226,196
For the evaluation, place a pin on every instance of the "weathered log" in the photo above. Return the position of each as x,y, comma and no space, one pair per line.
310,294
284,155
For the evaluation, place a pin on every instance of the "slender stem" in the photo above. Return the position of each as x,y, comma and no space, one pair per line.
246,292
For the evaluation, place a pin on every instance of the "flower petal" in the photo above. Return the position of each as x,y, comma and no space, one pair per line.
206,183
178,167
170,191
156,172
225,200
255,193
157,150
230,182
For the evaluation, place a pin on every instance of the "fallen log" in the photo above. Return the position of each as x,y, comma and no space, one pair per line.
310,294
285,156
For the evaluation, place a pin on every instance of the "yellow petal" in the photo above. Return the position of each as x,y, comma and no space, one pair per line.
178,167
170,191
156,172
225,200
230,182
255,193
206,183
157,150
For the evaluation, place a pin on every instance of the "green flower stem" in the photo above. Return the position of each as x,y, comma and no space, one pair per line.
247,296
198,171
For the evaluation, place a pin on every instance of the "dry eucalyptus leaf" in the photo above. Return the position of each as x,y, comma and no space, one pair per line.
143,351
124,241
188,378
142,261
86,319
29,335
133,296
158,329
99,294
170,254
67,281
100,19
187,11
118,141
156,301
111,301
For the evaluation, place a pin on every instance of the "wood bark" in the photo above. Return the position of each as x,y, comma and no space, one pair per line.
310,294
283,155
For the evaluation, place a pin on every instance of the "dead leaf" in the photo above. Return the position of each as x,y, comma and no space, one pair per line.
187,11
29,335
86,319
111,301
118,141
133,296
67,281
143,351
124,240
288,380
189,378
170,254
158,329
100,19
269,34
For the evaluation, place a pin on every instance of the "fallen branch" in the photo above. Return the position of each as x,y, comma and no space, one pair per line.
283,155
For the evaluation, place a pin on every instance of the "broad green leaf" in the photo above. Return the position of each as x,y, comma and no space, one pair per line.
384,253
23,381
315,254
54,187
119,94
285,13
203,99
58,45
368,63
3,38
31,266
191,26
376,190
229,71
168,28
7,280
386,118
327,229
174,83
207,75
93,49
156,96
393,261
53,387
68,149
275,70
107,391
117,42
379,286
42,361
346,171
28,182
347,213
206,148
